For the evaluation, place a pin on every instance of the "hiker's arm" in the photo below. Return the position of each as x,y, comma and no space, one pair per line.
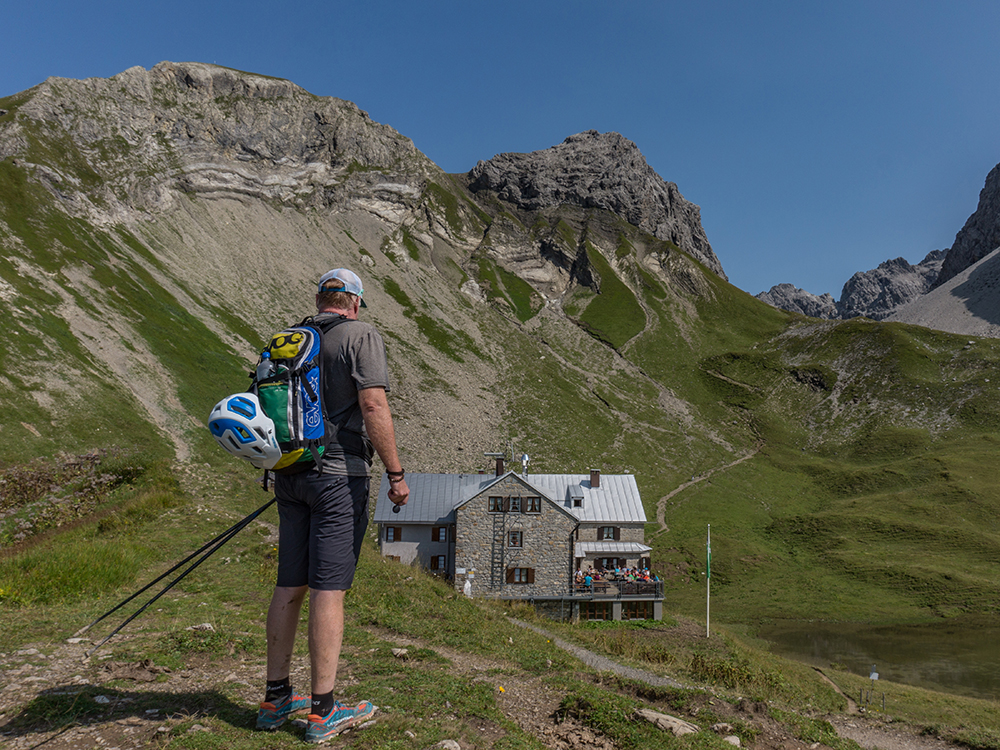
378,423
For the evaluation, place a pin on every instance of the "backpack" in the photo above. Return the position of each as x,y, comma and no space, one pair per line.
288,385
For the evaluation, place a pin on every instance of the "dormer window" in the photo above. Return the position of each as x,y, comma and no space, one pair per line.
577,502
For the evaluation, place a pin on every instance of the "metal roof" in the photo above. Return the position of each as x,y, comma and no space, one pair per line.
600,548
615,500
434,497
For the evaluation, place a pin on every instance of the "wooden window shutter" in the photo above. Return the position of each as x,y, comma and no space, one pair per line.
531,575
622,562
618,534
510,575
506,505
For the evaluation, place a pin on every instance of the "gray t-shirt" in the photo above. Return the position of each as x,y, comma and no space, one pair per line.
353,359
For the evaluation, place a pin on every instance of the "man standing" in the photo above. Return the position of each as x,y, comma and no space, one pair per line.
323,514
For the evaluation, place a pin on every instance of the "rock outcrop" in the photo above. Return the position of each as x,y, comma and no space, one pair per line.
981,234
875,294
183,128
601,171
878,293
967,304
790,297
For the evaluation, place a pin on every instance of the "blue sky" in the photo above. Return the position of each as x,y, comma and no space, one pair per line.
819,139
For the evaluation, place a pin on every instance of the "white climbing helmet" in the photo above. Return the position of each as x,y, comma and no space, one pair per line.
240,425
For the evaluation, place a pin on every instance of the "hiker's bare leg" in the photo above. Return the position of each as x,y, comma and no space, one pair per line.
326,633
282,622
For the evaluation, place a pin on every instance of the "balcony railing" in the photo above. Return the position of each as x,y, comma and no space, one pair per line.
619,589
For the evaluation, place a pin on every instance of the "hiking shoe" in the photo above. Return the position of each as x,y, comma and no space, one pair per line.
341,717
273,715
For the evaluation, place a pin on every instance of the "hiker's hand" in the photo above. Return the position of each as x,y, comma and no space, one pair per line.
399,492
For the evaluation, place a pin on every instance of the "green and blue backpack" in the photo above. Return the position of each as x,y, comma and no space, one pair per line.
287,382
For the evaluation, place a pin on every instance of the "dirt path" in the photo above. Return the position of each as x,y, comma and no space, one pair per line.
603,663
661,505
870,732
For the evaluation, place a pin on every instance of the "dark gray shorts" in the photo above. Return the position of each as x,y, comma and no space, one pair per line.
323,519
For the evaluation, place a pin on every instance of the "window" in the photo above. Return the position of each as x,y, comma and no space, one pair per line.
393,533
439,534
515,538
439,562
595,610
577,502
513,504
637,610
609,533
532,505
520,575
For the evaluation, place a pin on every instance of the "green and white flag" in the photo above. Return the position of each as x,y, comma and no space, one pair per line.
708,573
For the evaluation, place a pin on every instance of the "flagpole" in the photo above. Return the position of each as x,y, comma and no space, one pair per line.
708,586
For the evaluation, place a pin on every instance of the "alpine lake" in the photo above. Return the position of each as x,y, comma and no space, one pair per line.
959,656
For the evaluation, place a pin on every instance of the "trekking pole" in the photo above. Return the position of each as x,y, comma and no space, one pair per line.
218,542
187,559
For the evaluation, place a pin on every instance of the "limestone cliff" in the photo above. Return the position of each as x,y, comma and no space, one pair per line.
981,234
598,171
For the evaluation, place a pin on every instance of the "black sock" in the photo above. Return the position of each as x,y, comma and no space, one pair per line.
277,689
322,704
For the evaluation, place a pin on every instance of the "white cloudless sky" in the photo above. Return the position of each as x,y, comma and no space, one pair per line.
818,138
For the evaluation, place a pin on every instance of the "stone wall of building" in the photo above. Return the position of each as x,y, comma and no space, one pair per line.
629,532
482,553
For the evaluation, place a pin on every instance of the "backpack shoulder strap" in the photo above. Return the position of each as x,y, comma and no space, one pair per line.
326,324
323,326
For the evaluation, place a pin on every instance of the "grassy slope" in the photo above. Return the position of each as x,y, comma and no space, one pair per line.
867,431
466,662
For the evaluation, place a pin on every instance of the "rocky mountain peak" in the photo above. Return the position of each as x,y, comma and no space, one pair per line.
981,234
198,128
601,171
878,293
790,297
875,294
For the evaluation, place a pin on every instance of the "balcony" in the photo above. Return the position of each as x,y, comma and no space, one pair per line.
619,590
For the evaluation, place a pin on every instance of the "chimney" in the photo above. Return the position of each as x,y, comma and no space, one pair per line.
499,466
595,478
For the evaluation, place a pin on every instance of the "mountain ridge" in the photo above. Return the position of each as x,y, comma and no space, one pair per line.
888,290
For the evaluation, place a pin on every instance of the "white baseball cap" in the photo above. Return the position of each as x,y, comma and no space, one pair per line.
342,280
